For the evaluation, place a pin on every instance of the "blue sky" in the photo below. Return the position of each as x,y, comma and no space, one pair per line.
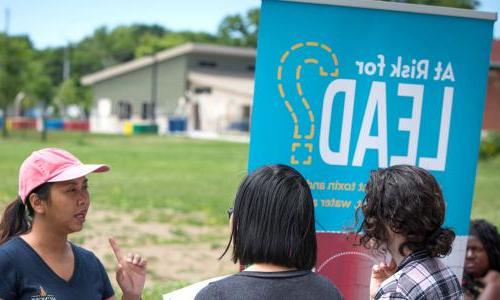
57,22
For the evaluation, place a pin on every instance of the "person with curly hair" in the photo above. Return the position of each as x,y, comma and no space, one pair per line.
482,262
403,213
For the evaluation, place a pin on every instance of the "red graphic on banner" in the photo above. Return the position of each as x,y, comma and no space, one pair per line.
346,265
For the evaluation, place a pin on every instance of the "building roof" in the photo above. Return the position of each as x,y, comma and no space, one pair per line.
188,48
495,54
231,82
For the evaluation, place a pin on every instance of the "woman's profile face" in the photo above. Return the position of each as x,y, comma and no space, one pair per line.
68,205
477,263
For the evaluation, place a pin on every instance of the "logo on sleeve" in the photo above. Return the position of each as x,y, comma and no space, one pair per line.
42,295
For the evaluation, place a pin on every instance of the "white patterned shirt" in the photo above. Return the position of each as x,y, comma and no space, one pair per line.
420,276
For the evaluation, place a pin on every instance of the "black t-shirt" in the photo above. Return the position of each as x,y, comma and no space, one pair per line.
24,275
271,285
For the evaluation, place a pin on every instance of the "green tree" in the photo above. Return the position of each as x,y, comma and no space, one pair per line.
39,85
52,60
15,58
40,90
150,44
240,30
71,93
67,94
106,48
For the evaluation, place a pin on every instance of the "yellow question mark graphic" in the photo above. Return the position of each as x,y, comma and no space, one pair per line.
301,139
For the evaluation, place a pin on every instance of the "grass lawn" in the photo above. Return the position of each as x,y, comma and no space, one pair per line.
193,180
147,172
487,191
182,174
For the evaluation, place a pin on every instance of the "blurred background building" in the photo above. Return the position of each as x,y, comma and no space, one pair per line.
195,87
491,120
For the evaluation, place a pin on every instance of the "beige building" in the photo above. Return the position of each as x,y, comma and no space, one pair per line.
210,86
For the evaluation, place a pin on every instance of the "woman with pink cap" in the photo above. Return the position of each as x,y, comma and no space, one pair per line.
36,259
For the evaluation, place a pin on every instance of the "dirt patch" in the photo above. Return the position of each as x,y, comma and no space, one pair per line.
175,251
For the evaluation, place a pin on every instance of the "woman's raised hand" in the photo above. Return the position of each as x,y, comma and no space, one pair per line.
130,273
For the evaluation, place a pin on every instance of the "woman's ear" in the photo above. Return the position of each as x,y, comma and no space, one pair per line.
37,203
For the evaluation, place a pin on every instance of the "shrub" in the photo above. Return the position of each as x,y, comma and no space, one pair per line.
490,145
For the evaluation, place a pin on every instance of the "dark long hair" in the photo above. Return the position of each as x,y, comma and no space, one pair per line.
273,219
408,201
488,235
17,217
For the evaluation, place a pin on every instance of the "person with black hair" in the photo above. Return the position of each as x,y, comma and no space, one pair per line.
36,259
482,262
403,214
273,236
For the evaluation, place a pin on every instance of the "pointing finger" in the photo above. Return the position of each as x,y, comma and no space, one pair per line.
116,249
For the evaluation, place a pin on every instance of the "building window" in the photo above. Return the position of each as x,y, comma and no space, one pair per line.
251,68
124,110
148,110
246,117
207,64
242,124
246,110
203,90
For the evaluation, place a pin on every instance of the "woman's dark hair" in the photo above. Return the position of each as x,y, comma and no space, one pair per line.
17,216
273,219
488,235
408,201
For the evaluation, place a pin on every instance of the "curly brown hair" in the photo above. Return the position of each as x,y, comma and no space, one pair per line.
408,201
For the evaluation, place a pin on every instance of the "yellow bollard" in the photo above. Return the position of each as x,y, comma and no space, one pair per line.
9,124
128,128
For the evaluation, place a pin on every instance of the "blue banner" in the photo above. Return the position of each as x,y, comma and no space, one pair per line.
344,90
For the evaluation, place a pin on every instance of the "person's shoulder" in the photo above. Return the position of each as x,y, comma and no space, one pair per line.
10,248
428,267
190,291
13,242
208,292
428,277
445,272
420,266
320,279
391,288
226,281
392,285
326,285
212,290
8,257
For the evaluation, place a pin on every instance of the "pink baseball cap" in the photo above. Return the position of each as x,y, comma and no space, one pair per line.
51,165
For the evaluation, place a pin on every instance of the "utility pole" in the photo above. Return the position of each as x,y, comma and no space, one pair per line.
154,89
66,63
7,20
